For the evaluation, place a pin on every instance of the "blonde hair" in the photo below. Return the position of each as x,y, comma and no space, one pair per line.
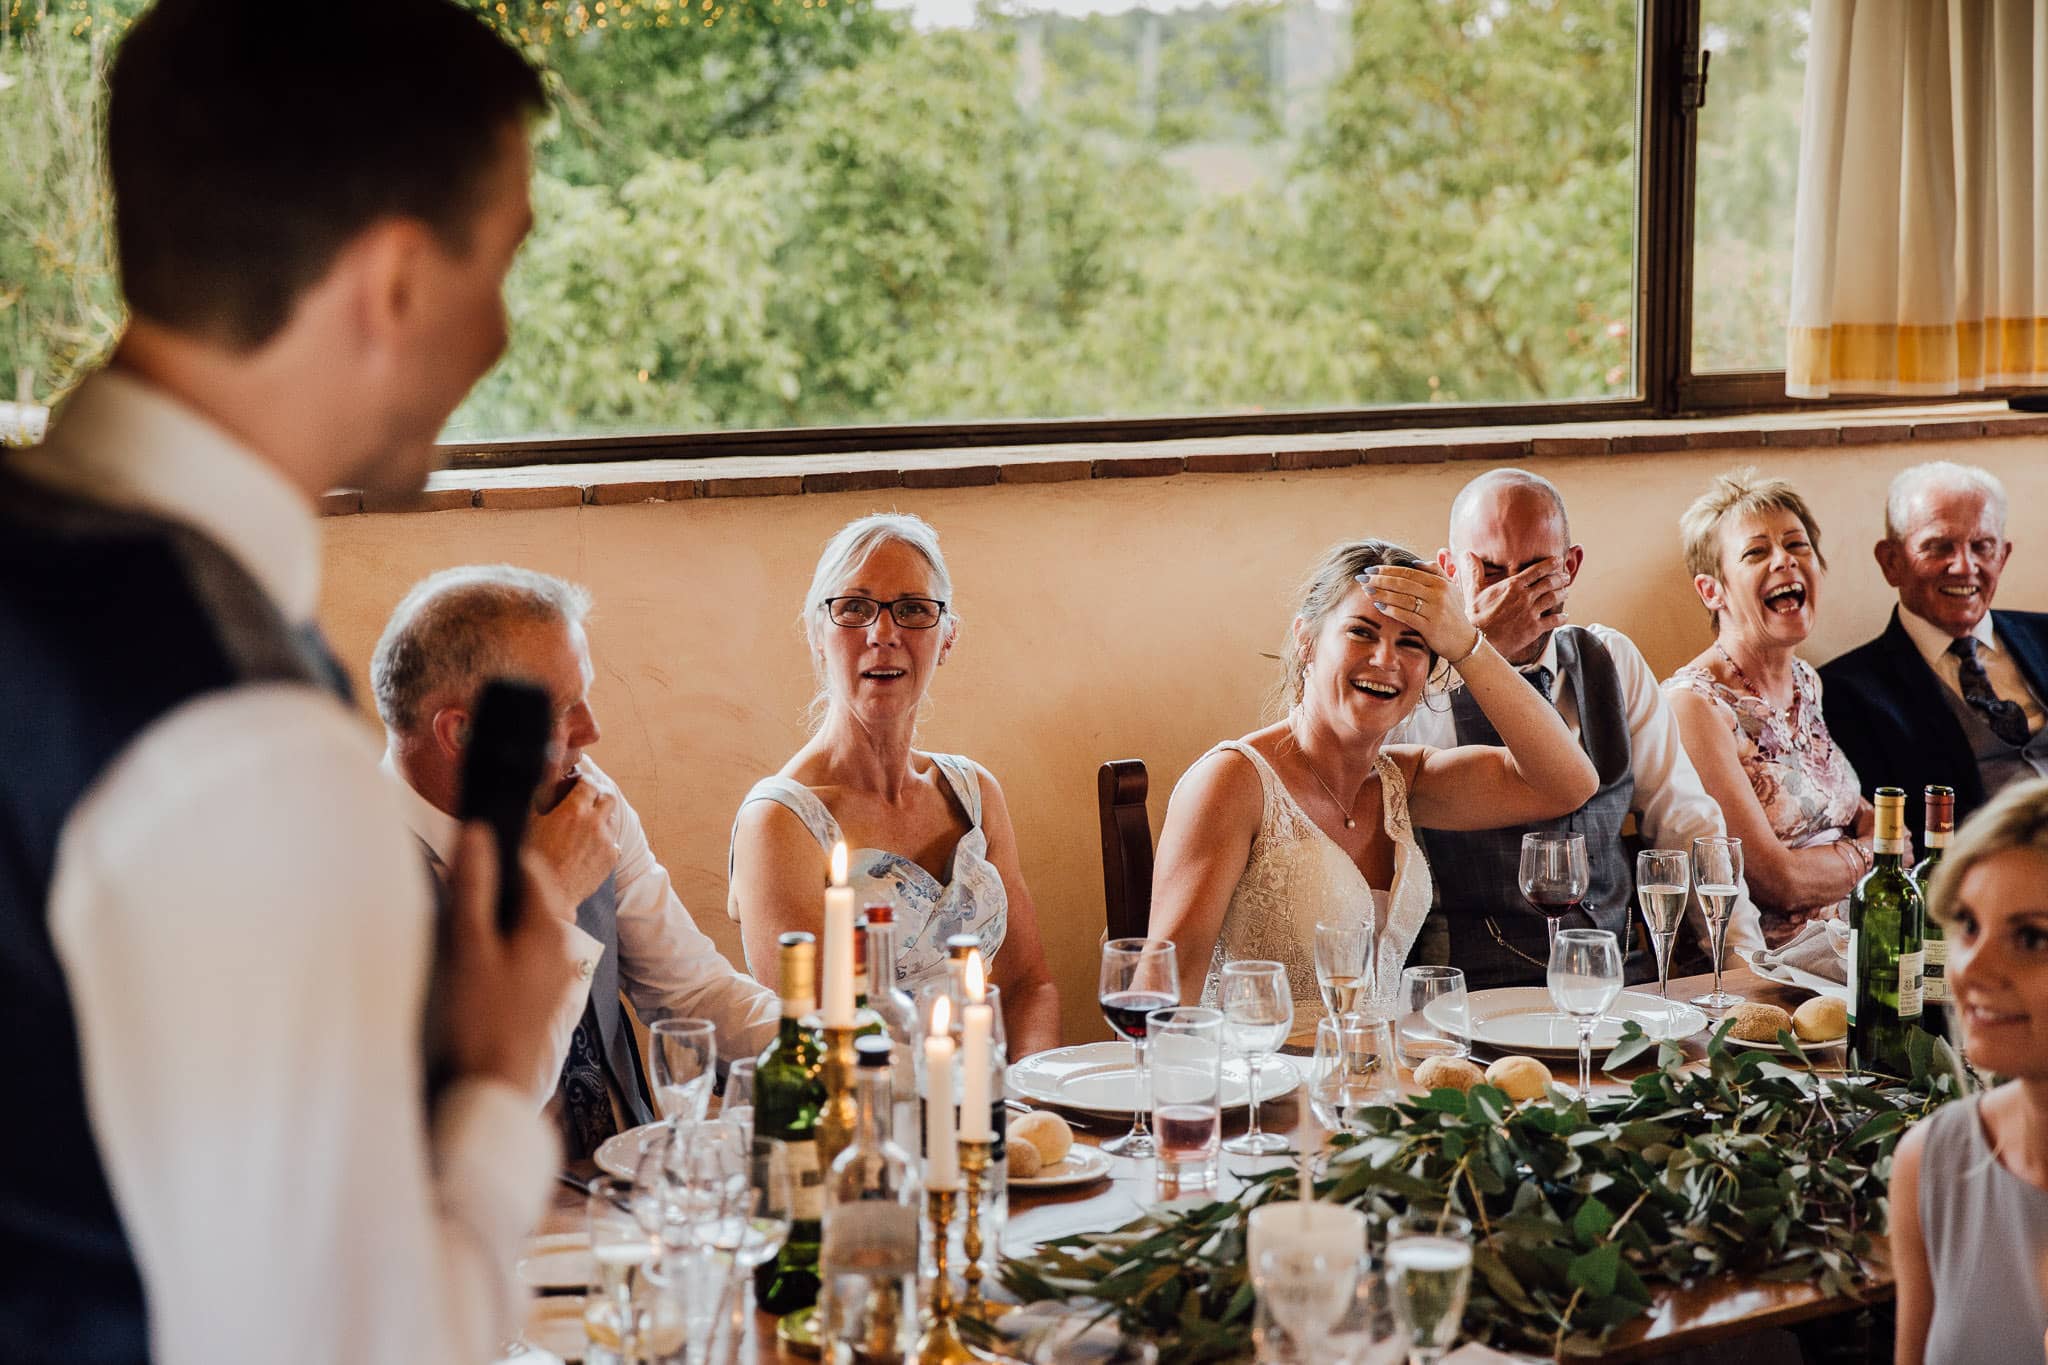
2016,819
1333,576
1743,493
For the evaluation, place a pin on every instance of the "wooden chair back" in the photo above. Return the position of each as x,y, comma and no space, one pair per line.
1120,788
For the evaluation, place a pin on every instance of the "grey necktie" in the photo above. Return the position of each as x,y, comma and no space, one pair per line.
2008,719
1541,679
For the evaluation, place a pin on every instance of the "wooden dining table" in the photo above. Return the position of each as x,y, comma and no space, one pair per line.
1715,1309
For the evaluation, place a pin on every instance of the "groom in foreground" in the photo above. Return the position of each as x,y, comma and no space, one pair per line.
215,931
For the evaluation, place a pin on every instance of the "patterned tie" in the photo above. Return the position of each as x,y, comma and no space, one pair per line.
586,1104
2008,720
1540,678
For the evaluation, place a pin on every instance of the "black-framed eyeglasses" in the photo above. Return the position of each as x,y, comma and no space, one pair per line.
911,613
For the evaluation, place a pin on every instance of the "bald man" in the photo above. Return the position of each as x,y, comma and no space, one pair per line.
1511,553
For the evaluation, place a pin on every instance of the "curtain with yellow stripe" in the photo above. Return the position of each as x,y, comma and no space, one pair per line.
1920,252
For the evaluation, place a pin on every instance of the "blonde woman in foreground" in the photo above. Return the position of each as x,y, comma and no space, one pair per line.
1969,1192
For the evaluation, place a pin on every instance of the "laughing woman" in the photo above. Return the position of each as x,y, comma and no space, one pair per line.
929,833
1312,818
1749,708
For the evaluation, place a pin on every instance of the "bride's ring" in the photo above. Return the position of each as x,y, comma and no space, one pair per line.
1418,606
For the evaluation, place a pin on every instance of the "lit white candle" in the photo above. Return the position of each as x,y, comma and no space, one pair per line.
977,1056
839,944
942,1152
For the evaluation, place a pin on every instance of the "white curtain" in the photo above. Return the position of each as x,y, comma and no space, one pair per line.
1920,247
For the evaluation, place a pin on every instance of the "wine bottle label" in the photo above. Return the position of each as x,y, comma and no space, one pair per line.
1855,952
1933,990
807,1181
1897,845
1934,954
1909,985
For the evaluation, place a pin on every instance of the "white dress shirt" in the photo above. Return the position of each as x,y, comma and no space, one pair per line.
2006,679
244,927
1672,807
669,969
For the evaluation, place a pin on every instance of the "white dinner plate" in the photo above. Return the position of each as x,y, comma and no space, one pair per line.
1523,1019
620,1155
1780,1048
1097,1078
1792,976
1080,1165
558,1260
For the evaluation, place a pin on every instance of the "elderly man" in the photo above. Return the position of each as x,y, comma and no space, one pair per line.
1952,692
454,630
1510,550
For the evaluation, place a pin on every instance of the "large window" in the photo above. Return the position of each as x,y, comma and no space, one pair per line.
964,219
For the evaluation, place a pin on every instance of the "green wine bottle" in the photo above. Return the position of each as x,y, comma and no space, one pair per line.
789,1090
1885,925
1941,827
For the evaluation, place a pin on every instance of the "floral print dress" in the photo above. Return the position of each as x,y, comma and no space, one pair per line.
1807,786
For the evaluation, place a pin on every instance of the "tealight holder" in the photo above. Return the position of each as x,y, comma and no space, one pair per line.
837,1120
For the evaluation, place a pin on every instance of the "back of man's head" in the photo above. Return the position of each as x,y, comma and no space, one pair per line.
249,141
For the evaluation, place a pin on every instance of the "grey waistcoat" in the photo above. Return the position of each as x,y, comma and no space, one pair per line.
1998,763
599,917
1477,871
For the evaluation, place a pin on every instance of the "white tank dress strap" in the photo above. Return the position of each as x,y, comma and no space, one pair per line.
1407,901
965,780
799,801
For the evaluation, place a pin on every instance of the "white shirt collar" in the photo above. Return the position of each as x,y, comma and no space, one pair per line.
125,442
1933,642
1547,659
435,828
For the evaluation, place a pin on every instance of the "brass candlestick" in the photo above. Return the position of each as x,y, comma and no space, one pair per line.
841,1113
940,1343
974,1158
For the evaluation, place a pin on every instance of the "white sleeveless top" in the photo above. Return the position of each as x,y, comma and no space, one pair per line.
1297,876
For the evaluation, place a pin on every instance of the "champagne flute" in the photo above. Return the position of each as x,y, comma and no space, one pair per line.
1258,1010
1554,875
738,1104
685,1054
1429,1272
1138,975
1584,978
1663,883
1717,877
1343,965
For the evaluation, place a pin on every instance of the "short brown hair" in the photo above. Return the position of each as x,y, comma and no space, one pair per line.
247,143
2016,819
1744,492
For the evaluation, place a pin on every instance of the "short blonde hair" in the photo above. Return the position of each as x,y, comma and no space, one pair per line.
2016,819
1742,493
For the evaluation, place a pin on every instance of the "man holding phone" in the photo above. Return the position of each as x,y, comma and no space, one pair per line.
624,924
215,931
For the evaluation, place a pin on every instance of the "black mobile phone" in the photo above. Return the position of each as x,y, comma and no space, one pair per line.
501,769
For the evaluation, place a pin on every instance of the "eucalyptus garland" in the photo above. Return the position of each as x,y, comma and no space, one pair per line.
1751,1164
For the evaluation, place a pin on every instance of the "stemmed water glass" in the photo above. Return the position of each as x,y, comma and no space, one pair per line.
1139,975
1584,978
1343,965
1554,875
1306,1290
1717,877
1258,1010
1663,885
738,1104
624,1246
685,1054
1429,1273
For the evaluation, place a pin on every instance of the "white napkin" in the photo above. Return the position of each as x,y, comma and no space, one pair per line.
1811,950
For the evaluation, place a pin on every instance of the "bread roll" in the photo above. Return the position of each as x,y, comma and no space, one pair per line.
1523,1078
1756,1022
1821,1020
1044,1130
1023,1159
1448,1073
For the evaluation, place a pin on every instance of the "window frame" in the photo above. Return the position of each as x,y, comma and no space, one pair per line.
1669,94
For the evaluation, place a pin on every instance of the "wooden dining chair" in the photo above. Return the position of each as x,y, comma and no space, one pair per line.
1120,788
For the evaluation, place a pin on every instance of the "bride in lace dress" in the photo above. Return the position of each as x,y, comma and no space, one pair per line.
1312,819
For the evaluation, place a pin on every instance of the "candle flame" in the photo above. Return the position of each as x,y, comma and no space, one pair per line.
942,1017
977,979
839,863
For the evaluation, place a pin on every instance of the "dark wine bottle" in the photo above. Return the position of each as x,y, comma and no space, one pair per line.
1885,926
789,1090
1941,827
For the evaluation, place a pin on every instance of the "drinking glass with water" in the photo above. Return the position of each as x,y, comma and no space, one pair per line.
1429,1274
685,1054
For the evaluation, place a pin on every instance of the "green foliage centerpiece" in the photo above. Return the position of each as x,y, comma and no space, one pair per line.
1751,1164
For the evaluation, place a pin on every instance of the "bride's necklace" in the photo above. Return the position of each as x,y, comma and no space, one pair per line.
1345,810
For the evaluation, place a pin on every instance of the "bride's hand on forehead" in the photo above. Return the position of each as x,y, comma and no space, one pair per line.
1424,601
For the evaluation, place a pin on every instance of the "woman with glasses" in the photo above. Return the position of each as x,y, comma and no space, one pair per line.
929,833
1311,819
